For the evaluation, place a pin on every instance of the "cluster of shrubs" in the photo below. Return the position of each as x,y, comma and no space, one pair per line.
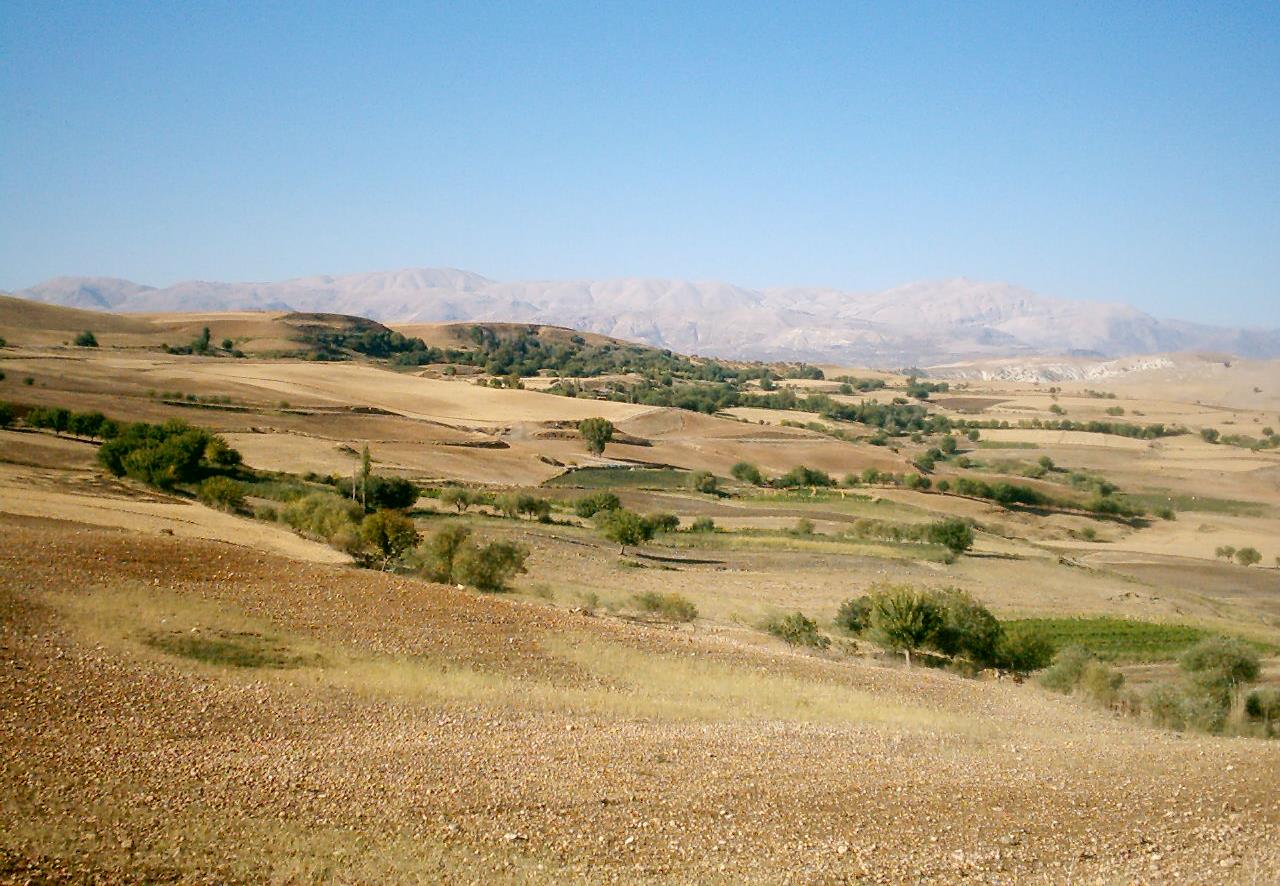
450,556
627,528
671,606
1210,696
945,624
588,506
798,477
1246,556
806,477
89,425
388,538
1102,502
1114,428
796,629
165,455
953,533
203,346
510,504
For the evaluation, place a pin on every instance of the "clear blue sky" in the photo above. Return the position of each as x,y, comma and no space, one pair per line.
1117,151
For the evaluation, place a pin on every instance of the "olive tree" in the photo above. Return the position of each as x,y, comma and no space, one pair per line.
626,527
904,619
597,432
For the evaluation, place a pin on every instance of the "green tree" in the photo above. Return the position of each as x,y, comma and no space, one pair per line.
1023,649
390,533
968,629
1248,556
1225,660
746,472
589,505
439,553
625,527
86,339
87,424
597,432
952,533
663,522
6,415
489,568
458,497
904,619
222,493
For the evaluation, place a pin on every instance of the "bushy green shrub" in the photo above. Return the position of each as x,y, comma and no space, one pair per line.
6,415
625,527
377,493
1023,649
663,522
1248,556
390,533
1101,683
702,524
1227,660
326,517
1263,704
1064,672
803,476
952,533
167,454
458,497
903,618
86,339
797,630
854,615
222,493
437,555
489,568
588,506
968,629
704,482
672,606
746,472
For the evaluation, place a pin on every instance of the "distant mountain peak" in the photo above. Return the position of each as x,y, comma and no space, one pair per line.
922,322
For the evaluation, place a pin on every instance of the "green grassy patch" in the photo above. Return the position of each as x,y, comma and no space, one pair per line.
1006,444
1204,504
1118,639
233,649
622,478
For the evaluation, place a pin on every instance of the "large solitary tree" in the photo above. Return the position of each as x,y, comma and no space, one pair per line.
597,432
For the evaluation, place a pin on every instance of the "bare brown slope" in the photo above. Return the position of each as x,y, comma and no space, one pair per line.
436,735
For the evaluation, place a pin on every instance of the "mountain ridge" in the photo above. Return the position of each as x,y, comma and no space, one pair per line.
921,322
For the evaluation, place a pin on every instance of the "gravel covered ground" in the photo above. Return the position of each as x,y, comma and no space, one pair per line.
427,734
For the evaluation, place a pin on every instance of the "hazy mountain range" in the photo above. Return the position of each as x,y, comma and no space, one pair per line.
920,323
